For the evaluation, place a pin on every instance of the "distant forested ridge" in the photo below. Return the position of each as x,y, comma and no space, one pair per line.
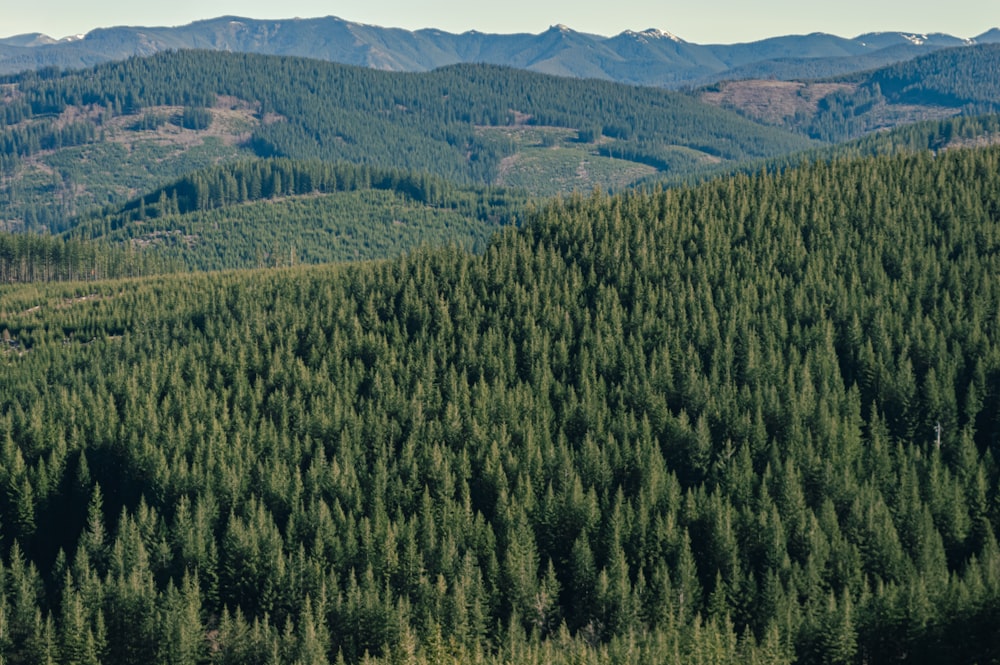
322,110
754,420
954,81
952,77
933,87
254,180
264,213
931,136
74,141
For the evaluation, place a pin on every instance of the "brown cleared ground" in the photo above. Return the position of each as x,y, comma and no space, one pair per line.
772,101
125,159
233,121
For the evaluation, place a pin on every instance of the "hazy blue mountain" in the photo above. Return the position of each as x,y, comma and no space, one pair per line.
880,40
815,45
799,69
649,57
655,51
30,39
989,37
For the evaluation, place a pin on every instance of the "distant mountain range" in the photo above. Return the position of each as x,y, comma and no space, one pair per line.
649,57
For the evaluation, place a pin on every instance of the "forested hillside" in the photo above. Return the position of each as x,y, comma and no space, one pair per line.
929,136
952,81
953,77
459,123
277,212
754,420
72,142
28,257
264,213
946,83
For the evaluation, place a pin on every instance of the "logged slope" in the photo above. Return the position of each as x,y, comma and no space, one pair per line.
946,83
457,122
692,424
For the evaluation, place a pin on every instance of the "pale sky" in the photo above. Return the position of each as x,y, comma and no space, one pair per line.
699,21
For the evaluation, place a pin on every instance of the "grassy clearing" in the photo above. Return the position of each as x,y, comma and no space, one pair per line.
551,160
346,226
562,169
49,188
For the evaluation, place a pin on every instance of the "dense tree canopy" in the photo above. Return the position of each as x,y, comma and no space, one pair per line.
752,420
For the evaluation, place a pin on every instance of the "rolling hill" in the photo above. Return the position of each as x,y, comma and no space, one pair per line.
274,212
65,134
945,83
752,421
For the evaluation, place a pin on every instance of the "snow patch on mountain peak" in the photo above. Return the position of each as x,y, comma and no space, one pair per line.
653,33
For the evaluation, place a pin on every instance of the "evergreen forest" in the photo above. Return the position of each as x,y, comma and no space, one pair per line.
273,212
752,420
949,82
464,123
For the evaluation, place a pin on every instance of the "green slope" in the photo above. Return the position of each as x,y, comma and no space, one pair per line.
930,136
248,214
693,424
949,82
328,228
308,109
